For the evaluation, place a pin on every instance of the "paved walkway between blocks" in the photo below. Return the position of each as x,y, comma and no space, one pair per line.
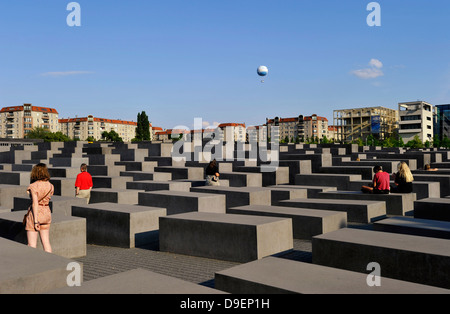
102,261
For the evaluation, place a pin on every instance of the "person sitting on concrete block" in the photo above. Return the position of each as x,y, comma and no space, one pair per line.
212,174
380,183
403,179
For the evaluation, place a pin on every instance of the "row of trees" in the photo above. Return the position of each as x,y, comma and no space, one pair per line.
397,141
393,141
47,136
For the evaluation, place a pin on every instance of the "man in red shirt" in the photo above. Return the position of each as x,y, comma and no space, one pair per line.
380,183
83,184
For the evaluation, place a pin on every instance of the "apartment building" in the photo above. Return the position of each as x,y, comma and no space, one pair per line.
233,132
285,128
90,126
301,127
171,134
257,133
359,123
18,121
334,133
416,118
315,127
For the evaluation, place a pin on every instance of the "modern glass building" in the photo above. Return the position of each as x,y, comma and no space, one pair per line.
442,121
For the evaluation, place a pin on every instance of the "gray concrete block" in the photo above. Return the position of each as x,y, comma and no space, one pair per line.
411,258
67,233
312,191
107,182
105,158
159,185
15,177
239,238
444,181
24,270
240,179
396,203
177,202
306,223
145,175
64,172
270,176
63,186
178,173
147,166
357,210
279,194
68,161
414,226
131,154
120,196
137,281
366,172
8,192
317,160
272,275
102,170
119,225
296,167
432,208
340,181
238,196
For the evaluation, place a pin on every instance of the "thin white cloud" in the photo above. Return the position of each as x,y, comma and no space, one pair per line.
66,73
372,72
376,63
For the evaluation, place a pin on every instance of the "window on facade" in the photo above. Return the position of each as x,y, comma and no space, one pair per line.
410,126
409,118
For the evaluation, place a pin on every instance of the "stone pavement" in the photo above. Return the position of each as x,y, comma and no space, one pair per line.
102,261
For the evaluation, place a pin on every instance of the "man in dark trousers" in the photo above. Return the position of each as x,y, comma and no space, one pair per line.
83,184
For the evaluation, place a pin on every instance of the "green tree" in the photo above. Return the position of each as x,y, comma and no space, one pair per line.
436,141
445,142
415,143
47,136
324,140
142,128
111,136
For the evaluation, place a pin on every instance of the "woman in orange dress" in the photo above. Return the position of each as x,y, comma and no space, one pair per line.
39,218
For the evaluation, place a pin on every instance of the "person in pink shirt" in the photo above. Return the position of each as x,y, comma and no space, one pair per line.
380,183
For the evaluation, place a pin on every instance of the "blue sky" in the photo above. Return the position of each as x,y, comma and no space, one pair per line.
182,59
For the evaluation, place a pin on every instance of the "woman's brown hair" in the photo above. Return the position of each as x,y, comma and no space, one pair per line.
40,172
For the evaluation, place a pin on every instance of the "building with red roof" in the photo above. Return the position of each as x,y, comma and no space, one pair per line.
18,121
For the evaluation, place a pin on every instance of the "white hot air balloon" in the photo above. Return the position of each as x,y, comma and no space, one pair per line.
262,71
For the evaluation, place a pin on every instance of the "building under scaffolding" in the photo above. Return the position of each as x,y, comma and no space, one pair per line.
358,123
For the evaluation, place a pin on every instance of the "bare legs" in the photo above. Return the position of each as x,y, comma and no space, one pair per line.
32,237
